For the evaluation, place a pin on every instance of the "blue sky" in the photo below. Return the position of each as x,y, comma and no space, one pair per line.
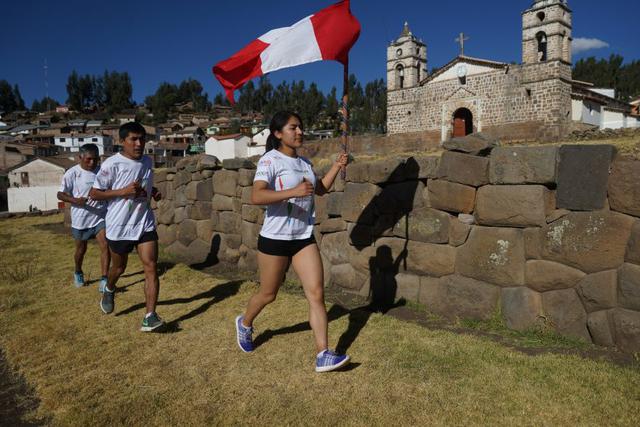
163,40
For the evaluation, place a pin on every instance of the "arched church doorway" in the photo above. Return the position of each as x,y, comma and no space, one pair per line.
462,122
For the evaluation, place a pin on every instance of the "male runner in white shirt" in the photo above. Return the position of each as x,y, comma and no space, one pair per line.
87,215
126,182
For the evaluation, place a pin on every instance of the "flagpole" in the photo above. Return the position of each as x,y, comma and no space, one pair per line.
344,120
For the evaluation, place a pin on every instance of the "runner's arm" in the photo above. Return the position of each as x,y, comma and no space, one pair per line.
261,195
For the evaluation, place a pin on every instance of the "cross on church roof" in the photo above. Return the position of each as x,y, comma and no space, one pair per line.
461,39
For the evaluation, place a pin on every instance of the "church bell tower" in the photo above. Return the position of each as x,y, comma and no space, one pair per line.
546,32
406,61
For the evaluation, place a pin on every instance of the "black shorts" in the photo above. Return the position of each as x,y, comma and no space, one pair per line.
126,246
286,248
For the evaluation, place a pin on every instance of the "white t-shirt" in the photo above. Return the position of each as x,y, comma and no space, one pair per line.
77,182
290,219
127,218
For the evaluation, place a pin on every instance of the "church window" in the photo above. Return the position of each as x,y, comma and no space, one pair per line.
400,77
541,16
541,38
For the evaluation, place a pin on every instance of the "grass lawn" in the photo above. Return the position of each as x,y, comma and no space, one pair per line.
87,368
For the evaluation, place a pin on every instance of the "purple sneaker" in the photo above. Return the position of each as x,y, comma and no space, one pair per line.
328,361
243,335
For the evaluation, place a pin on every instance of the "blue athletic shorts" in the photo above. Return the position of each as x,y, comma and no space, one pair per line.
87,233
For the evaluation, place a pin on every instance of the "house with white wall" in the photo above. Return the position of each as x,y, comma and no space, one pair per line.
599,107
232,146
72,142
34,184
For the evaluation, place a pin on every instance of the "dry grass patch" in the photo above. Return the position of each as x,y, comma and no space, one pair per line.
88,368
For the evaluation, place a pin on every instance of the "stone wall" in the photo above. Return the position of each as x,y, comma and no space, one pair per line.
543,235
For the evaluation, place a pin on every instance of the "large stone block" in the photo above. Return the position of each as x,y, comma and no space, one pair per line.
360,207
583,174
222,203
199,251
248,259
474,144
166,234
633,247
249,234
629,286
532,243
199,190
600,328
204,230
180,198
187,231
513,205
335,247
160,175
334,203
459,297
253,213
523,165
321,208
225,182
399,199
428,166
332,225
565,313
424,225
626,330
407,286
598,290
181,178
450,196
179,215
624,187
199,210
458,231
178,251
464,169
245,195
235,164
589,241
245,177
345,276
430,259
230,222
548,275
207,162
494,255
521,308
165,212
360,235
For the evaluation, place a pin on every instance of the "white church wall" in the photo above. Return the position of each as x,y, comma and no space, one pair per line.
591,113
224,149
472,70
612,120
576,110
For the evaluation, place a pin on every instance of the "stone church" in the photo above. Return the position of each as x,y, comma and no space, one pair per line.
537,99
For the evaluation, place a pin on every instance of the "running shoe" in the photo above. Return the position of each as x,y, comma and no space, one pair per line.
151,323
243,336
328,361
107,302
78,279
103,284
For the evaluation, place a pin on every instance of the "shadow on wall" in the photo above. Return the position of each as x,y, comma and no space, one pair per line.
211,258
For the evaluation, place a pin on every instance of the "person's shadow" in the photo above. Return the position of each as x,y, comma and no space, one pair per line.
382,294
381,215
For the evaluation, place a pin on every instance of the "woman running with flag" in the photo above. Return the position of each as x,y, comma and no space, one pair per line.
286,184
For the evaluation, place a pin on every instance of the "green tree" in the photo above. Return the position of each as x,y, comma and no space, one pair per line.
43,105
118,91
18,97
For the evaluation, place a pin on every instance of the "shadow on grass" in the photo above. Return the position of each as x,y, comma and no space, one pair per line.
212,296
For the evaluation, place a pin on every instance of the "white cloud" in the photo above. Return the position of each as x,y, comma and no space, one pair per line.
582,44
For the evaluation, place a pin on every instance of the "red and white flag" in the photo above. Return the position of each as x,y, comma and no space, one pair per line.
325,35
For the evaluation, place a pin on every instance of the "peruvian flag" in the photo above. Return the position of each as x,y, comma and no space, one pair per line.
326,35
